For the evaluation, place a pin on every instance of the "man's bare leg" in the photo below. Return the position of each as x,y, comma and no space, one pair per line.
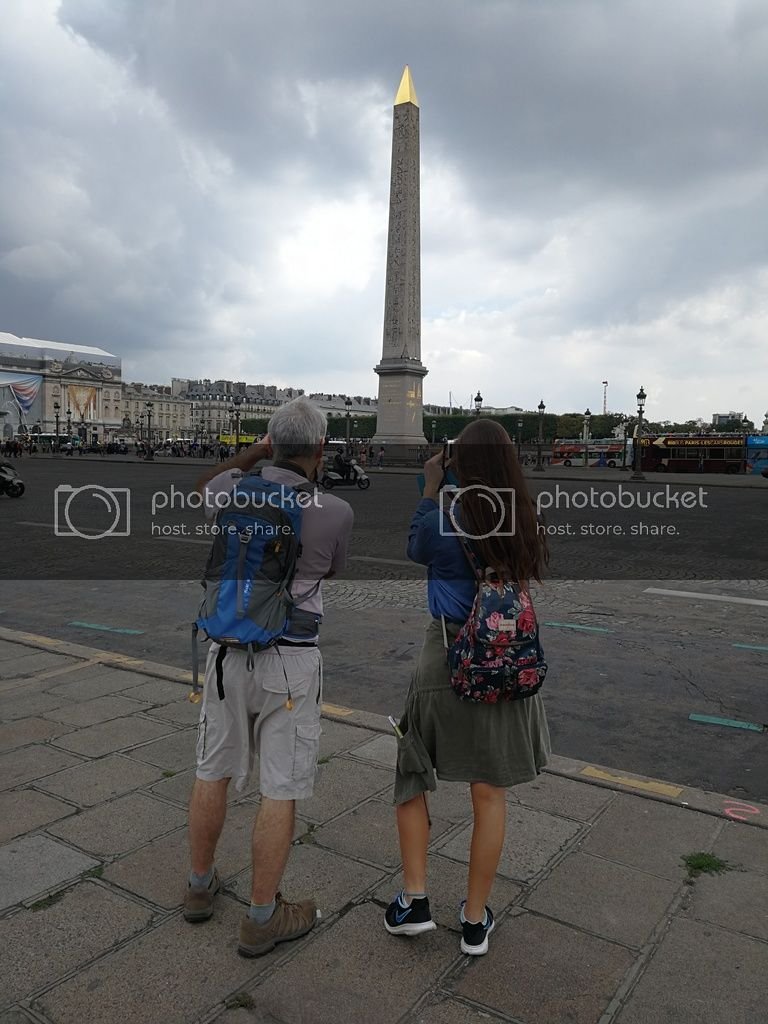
207,811
272,838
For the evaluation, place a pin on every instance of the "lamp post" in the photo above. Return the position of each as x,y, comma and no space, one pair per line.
348,405
587,417
638,454
150,454
69,424
56,409
237,402
519,438
434,428
141,426
624,421
539,466
745,428
478,403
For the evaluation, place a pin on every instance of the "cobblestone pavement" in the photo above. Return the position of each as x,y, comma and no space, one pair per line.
599,921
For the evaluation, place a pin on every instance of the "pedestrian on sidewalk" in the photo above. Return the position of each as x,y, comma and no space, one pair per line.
268,703
380,458
492,746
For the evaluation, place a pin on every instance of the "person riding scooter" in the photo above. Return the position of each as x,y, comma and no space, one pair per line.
342,464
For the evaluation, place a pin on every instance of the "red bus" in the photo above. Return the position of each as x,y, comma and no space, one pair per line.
603,451
692,453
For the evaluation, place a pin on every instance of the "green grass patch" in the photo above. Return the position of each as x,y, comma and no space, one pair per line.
168,774
240,1000
96,872
704,864
49,901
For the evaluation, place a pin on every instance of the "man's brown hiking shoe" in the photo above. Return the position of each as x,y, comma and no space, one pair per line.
289,921
198,903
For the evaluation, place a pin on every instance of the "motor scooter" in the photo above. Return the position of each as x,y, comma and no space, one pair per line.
10,481
357,477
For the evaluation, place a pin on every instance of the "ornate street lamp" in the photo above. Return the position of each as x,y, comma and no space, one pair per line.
237,402
69,423
348,405
540,440
638,454
519,437
745,428
587,417
56,410
478,403
150,453
434,428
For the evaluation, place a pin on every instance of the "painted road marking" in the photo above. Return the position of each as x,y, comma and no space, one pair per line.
750,647
573,625
731,722
107,629
334,709
649,786
693,595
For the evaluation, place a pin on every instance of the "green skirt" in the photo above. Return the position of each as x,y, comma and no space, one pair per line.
462,741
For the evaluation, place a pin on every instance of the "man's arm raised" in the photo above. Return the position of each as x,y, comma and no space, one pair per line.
244,461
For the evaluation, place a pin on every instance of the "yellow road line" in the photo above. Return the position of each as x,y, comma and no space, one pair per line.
650,786
334,709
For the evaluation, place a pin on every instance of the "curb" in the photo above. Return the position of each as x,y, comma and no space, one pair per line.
677,795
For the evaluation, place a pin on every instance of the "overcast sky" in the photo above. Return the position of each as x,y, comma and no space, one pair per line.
201,187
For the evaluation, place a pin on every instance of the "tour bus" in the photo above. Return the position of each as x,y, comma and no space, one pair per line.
757,454
603,451
693,453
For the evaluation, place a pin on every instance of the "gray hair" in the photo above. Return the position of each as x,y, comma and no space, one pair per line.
296,429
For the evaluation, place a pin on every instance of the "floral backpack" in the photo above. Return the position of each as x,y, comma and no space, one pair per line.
497,655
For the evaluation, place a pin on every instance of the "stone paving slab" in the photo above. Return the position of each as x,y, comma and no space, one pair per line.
380,750
158,692
444,1010
124,824
566,797
24,810
447,887
39,946
612,900
31,763
177,787
158,871
27,730
649,835
735,899
451,801
337,737
701,974
110,737
332,880
10,651
32,663
95,781
92,712
355,972
341,784
95,681
743,847
181,712
174,973
175,751
543,972
23,704
532,840
368,832
34,864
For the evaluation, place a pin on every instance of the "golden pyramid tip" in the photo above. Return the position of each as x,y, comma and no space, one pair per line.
406,92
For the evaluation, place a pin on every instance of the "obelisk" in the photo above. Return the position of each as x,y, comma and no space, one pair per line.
399,423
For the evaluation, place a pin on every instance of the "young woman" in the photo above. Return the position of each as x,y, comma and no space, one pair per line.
490,746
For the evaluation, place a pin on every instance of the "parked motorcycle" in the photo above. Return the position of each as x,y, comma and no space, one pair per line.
357,477
10,481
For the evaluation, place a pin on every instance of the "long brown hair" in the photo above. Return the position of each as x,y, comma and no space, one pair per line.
497,512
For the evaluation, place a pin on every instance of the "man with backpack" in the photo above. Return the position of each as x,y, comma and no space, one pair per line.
263,680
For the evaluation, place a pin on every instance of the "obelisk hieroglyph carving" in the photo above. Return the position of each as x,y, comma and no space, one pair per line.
399,423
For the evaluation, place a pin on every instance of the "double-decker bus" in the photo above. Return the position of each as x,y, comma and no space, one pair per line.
603,451
693,453
757,454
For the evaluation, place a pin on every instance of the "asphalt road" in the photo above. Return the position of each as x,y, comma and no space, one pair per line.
628,665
